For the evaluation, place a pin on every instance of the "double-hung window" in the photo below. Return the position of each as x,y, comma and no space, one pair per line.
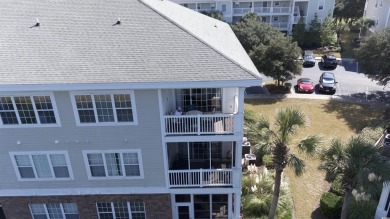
54,211
124,210
104,108
27,111
321,5
41,165
114,164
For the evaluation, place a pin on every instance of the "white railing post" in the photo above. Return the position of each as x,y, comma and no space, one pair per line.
201,177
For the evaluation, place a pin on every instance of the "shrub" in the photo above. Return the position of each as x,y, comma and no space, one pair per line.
331,204
267,161
362,209
337,186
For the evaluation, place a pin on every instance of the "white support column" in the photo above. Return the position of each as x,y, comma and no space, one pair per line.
237,204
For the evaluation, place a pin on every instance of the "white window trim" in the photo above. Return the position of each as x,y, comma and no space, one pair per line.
90,177
38,124
323,5
113,209
47,212
29,153
97,123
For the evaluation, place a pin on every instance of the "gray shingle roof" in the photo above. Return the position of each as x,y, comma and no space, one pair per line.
157,41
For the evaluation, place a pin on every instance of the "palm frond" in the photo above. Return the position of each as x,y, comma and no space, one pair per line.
310,145
288,120
297,164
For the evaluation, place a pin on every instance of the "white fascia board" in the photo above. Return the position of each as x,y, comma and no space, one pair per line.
133,86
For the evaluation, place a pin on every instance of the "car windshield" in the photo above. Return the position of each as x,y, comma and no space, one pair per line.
328,80
303,81
331,57
308,57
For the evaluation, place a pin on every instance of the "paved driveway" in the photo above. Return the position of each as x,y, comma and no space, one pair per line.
351,83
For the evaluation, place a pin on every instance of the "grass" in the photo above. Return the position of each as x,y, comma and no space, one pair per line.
329,119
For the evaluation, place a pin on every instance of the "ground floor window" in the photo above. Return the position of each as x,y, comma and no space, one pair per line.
123,210
54,211
205,206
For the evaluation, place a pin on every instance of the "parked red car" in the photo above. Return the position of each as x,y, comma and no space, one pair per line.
305,85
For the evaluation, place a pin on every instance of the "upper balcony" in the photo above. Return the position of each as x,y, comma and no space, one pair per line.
262,8
206,111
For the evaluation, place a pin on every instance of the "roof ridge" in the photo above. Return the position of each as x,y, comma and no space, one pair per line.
198,38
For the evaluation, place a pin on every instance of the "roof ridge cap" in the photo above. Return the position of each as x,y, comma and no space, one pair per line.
198,38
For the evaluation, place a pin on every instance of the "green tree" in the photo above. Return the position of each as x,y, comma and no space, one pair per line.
360,165
299,32
327,32
287,122
340,27
214,14
313,35
271,51
350,10
373,56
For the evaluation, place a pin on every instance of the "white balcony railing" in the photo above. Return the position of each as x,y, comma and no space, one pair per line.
281,10
279,24
200,178
241,10
262,9
199,124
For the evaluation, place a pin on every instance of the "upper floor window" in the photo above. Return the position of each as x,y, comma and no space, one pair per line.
103,108
223,8
41,165
27,111
376,3
203,99
114,164
124,210
321,5
54,211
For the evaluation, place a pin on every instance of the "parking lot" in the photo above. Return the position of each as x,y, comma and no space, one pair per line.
351,83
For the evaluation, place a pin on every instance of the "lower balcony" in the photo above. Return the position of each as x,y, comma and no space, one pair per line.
201,164
200,178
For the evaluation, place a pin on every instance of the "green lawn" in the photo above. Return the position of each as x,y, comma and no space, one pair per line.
329,119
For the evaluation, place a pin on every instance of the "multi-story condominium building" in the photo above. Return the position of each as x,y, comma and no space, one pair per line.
87,90
280,14
379,11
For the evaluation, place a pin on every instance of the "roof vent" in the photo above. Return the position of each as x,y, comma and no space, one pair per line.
118,22
36,25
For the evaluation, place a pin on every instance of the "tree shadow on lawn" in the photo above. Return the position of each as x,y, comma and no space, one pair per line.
357,115
265,101
316,214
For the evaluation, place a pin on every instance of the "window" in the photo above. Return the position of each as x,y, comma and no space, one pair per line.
117,108
41,165
203,99
28,110
114,164
125,210
223,8
376,3
321,5
276,3
275,18
54,211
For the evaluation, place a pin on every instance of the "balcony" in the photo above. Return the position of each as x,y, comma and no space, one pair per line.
200,164
241,10
279,25
199,124
200,178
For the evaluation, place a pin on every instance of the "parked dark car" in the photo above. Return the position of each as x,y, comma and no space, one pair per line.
309,58
329,61
327,83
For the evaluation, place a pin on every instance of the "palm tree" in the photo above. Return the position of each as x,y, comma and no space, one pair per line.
360,165
287,121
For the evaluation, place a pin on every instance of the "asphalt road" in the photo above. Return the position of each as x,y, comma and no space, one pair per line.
351,83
